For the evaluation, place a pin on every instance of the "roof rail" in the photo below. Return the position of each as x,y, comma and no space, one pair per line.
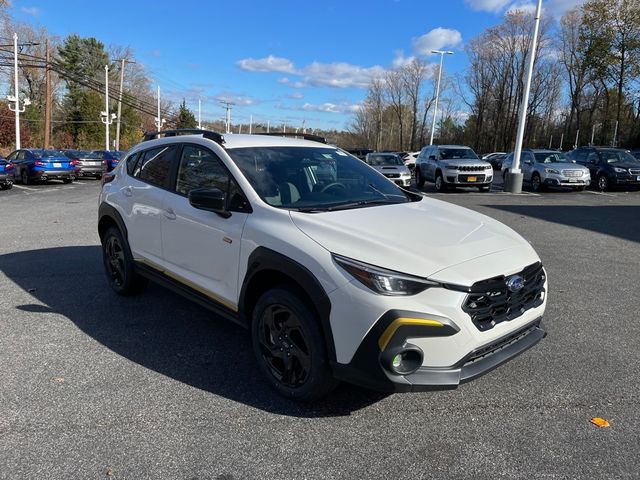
209,134
306,136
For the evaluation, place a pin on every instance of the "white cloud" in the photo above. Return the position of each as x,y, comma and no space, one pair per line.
267,64
296,96
400,60
292,84
326,107
33,11
487,5
340,75
241,100
437,39
525,6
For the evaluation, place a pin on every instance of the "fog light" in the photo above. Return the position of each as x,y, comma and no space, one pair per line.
402,360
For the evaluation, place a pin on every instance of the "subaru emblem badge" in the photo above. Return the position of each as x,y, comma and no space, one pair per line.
515,283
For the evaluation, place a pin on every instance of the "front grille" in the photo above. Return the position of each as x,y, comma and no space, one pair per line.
471,168
465,178
500,344
392,175
634,171
572,173
491,302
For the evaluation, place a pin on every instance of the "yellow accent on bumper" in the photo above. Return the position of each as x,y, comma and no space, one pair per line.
387,335
189,284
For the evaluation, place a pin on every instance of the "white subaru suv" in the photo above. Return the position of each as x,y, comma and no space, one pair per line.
321,258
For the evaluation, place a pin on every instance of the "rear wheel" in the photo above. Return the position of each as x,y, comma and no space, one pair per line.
6,186
67,180
289,347
118,264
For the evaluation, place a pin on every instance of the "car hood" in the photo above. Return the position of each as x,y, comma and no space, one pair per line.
464,162
563,166
422,238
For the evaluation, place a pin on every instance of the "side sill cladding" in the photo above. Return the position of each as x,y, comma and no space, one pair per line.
263,259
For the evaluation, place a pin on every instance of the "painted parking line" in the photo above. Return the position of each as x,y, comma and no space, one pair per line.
22,187
600,193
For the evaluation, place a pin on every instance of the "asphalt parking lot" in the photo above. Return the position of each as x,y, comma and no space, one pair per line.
98,386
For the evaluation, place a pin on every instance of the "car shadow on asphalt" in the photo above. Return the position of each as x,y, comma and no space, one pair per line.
622,221
160,330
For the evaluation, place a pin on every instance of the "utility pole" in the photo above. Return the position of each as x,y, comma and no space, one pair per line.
593,133
284,127
159,120
199,115
48,101
550,142
122,64
268,125
250,124
435,108
228,106
15,99
615,135
561,139
106,117
575,144
304,126
513,180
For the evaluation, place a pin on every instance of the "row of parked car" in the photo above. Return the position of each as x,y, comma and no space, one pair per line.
29,165
451,166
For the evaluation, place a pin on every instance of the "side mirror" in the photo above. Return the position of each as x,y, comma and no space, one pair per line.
209,199
432,157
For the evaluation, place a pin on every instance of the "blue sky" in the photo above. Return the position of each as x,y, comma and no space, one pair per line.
276,60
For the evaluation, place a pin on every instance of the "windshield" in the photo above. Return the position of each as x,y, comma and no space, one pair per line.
48,153
551,157
615,156
314,179
457,154
380,160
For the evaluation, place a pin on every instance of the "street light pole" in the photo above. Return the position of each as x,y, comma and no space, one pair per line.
15,99
159,120
513,180
435,107
199,115
106,117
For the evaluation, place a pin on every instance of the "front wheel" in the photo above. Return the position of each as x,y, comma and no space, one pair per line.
419,178
67,180
603,183
118,264
440,185
536,183
485,189
580,189
287,342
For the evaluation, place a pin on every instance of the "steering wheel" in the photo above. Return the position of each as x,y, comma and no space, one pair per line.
333,185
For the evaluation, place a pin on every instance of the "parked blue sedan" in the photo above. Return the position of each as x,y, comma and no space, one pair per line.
6,174
39,165
112,157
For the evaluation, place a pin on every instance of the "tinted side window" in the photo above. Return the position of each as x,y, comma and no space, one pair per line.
593,158
131,162
155,166
201,168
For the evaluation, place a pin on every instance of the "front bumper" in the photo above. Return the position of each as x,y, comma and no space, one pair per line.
469,179
401,181
562,181
626,180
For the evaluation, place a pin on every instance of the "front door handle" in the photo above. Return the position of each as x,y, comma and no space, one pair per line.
170,214
127,191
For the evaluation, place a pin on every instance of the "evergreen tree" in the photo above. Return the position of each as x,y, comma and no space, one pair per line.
186,118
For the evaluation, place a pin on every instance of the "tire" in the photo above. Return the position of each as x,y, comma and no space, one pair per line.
118,264
580,189
485,189
441,186
602,183
419,179
289,347
536,183
67,180
24,178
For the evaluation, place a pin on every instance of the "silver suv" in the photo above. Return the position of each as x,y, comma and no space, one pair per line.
450,166
391,166
549,168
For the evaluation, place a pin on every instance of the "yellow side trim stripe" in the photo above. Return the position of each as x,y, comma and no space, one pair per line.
390,331
189,284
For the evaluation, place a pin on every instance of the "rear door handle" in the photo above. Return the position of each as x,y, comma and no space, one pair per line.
170,214
127,191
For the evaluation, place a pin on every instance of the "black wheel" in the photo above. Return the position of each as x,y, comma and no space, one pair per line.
485,189
603,182
6,186
288,345
441,186
419,178
24,177
98,177
580,189
67,180
118,264
536,183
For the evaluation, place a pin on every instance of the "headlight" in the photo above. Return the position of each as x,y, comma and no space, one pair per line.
619,170
552,170
488,167
382,281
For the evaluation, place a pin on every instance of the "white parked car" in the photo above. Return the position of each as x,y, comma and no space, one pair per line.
337,273
391,166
